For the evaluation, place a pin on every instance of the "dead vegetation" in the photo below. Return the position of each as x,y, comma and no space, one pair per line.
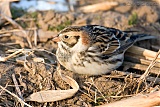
30,75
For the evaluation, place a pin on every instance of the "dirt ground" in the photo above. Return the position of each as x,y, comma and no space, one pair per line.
94,90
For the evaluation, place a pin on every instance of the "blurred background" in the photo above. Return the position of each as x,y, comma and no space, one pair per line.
54,15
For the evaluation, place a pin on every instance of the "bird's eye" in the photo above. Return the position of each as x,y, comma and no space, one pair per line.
66,37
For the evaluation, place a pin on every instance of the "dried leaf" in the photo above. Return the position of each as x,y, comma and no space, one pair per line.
55,95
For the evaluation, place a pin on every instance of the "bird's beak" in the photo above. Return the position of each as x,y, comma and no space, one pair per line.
56,39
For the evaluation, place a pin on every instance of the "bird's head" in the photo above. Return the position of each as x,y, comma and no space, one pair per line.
73,38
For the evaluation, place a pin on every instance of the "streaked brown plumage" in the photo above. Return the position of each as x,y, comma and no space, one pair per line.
93,49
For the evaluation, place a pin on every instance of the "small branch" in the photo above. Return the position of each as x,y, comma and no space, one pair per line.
17,25
3,59
150,66
14,95
16,85
35,37
141,67
120,74
17,88
148,100
148,54
99,7
15,30
143,77
130,57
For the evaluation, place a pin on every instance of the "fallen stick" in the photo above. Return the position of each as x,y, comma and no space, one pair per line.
130,57
15,96
148,100
3,59
150,67
141,67
16,85
121,74
143,77
17,88
98,7
17,25
42,36
148,54
15,30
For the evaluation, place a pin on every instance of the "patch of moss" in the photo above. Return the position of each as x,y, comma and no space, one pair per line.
98,102
33,14
133,19
63,25
51,28
98,17
60,26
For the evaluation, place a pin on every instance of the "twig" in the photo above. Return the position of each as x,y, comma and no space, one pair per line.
25,19
147,71
3,59
155,80
120,74
17,88
29,50
5,35
141,67
87,95
14,30
95,96
70,5
150,66
148,54
121,96
131,57
8,44
99,7
148,100
97,89
35,37
4,87
16,24
16,85
14,95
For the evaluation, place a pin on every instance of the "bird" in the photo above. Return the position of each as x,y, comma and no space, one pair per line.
94,49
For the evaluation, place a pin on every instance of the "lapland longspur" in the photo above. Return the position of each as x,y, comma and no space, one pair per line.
93,49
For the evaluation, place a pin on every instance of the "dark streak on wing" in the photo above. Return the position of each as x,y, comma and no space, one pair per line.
106,39
114,61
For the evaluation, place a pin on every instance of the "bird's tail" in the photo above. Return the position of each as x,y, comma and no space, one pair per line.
140,37
132,39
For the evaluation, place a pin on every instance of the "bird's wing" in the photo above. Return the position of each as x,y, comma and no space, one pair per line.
111,41
105,40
